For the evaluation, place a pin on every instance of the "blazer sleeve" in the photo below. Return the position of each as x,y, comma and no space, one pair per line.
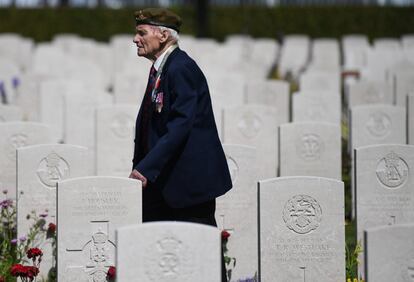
179,123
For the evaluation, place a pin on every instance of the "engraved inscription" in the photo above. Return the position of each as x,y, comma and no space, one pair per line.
51,169
168,260
379,125
15,141
122,125
309,147
392,171
250,125
302,214
410,270
233,168
99,204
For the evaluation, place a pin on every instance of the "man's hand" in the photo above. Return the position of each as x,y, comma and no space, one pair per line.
136,175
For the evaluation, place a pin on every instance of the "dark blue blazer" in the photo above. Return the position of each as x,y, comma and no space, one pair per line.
185,159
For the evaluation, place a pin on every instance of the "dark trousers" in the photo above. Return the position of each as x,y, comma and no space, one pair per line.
156,209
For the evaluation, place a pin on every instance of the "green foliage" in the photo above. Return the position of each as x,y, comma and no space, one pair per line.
352,260
327,21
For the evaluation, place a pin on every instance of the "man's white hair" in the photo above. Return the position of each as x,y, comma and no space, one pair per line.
173,33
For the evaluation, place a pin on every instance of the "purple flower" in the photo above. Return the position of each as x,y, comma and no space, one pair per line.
6,203
13,241
22,238
43,215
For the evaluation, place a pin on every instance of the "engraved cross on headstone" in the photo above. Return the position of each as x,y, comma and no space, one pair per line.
304,272
223,226
95,255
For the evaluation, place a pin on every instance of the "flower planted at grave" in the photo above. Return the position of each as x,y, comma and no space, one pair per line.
229,261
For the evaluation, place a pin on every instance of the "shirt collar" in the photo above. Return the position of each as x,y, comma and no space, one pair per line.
158,62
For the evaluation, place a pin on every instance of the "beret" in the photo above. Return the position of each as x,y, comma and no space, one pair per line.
159,17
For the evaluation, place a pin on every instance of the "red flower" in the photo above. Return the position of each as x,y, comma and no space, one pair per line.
2,279
111,273
225,235
17,270
34,252
51,228
31,271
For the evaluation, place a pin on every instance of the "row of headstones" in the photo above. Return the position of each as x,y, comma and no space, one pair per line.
300,52
300,219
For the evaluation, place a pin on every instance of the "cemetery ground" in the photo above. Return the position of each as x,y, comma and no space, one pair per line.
21,257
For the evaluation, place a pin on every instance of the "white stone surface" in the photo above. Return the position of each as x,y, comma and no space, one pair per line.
10,113
89,211
320,81
301,227
317,106
115,131
39,167
168,252
410,108
394,260
128,88
404,84
310,149
384,186
274,93
254,125
377,124
294,55
370,92
236,211
14,135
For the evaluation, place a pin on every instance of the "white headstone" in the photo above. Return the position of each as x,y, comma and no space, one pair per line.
384,186
377,124
89,211
410,109
317,106
404,84
14,135
115,129
370,92
389,253
274,93
236,211
129,89
10,113
254,125
168,252
39,167
310,149
80,118
320,81
301,227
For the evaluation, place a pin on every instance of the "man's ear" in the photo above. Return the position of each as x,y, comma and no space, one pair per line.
163,36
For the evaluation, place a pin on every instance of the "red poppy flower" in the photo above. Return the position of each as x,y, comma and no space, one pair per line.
111,273
225,235
34,252
51,228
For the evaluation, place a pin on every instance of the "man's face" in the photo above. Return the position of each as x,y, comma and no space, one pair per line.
147,39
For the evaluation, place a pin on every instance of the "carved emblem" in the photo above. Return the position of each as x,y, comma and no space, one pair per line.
16,141
309,147
122,126
392,170
52,169
233,168
410,270
302,214
250,125
372,95
379,125
99,257
170,260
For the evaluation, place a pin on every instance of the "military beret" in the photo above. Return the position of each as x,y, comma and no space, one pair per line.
158,16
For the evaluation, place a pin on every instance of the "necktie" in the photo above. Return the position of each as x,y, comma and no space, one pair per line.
146,112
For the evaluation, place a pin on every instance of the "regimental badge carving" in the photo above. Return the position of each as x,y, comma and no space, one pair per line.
233,168
410,270
16,141
169,260
99,257
379,125
122,126
51,169
392,171
250,125
309,147
302,214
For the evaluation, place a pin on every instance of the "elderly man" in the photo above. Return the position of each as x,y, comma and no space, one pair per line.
178,155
